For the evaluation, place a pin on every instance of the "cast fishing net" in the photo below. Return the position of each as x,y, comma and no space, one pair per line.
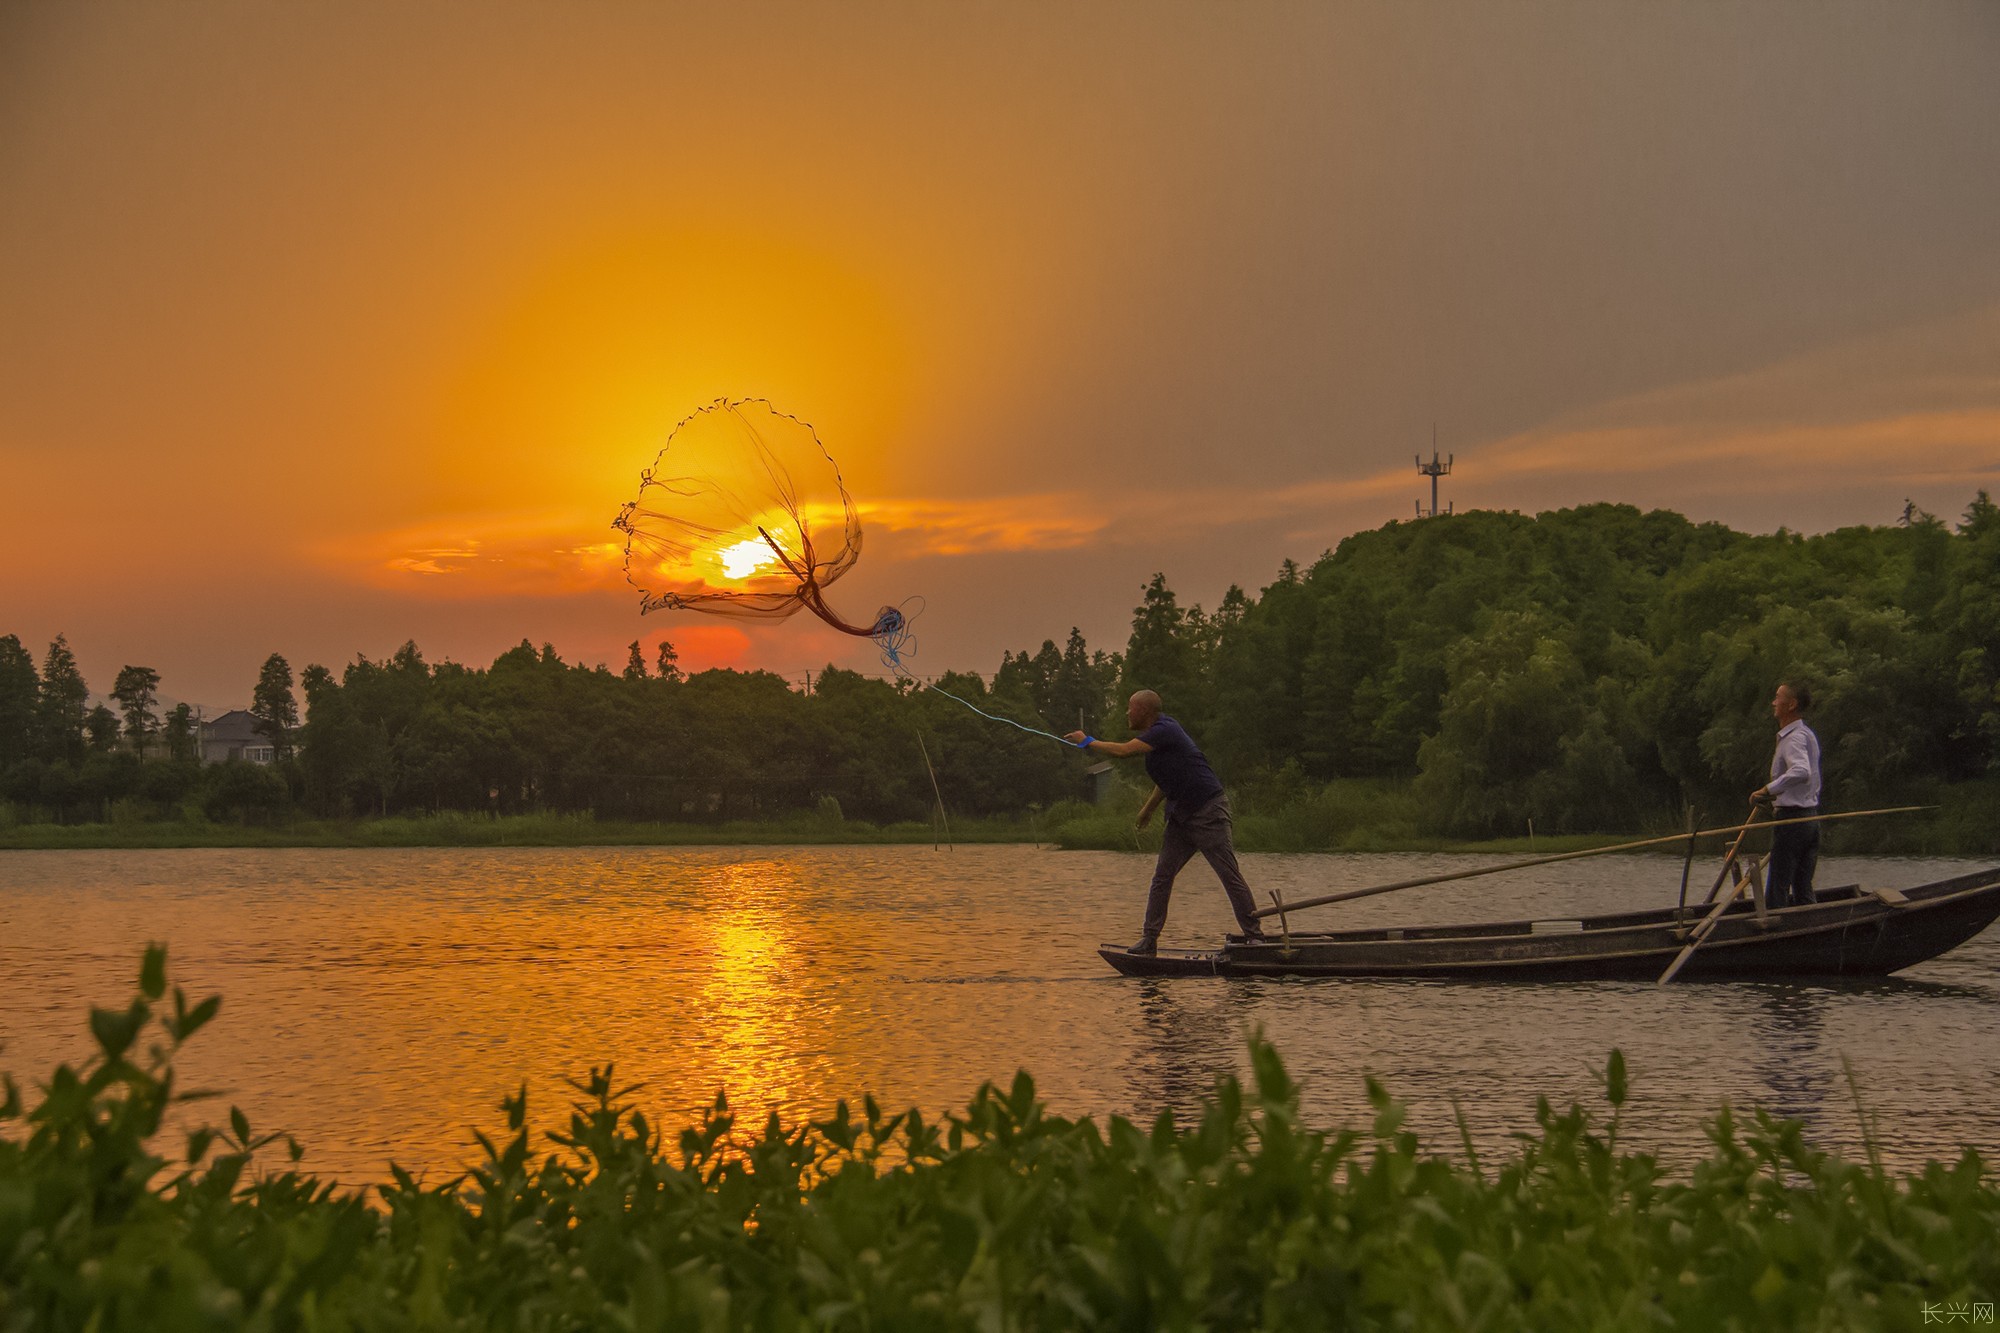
744,513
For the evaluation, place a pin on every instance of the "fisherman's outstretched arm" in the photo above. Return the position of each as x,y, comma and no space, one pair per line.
1115,749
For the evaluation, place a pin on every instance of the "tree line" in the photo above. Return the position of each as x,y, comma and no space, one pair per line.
530,733
1588,669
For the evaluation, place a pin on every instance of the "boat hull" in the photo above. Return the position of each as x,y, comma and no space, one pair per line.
1848,933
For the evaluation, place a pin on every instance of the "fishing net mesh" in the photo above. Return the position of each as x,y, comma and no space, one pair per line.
743,513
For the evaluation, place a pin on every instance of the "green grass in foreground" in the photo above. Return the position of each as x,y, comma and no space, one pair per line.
1003,1216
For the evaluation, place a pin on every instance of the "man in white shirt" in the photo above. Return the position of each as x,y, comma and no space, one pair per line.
1794,794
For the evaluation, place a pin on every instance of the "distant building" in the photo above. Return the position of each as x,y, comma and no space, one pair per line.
1100,782
234,735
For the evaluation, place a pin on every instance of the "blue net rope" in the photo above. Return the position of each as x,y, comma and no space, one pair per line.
894,635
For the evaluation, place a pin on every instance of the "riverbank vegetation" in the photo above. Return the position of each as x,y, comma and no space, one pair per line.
1586,671
1071,826
1352,815
1004,1215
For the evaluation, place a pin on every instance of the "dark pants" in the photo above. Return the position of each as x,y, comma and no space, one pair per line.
1206,831
1794,857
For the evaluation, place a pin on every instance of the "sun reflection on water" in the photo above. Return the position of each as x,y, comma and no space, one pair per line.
757,1024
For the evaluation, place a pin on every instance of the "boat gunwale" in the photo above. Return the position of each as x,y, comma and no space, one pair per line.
1846,895
1738,930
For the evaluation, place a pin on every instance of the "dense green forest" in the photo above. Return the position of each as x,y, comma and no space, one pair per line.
1589,669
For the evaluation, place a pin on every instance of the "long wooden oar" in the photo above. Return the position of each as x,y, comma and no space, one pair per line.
1729,858
1700,933
1351,894
1707,923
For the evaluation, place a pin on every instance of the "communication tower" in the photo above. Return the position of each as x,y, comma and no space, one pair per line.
1433,470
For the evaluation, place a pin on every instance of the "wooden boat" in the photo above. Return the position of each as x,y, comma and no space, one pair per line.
1848,932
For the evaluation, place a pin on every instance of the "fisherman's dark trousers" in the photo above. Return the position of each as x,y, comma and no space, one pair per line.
1794,857
1206,831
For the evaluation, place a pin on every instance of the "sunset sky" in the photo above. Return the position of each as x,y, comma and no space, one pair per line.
324,327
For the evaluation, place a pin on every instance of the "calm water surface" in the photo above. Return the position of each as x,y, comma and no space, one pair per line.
378,1004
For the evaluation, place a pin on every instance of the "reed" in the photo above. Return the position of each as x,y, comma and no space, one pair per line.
1346,815
1004,1215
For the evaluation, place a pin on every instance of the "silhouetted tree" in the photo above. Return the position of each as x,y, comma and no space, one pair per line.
1164,653
1081,687
136,690
273,705
101,725
62,705
20,687
179,735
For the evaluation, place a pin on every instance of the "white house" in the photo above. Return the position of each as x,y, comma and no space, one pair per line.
234,735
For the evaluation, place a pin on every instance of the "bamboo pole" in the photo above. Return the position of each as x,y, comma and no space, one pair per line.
1707,923
1351,894
1686,865
935,790
1729,859
1700,933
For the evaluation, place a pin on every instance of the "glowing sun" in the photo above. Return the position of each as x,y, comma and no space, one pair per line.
744,558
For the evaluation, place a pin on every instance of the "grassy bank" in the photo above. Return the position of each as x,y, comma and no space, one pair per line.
1358,815
1003,1216
1362,815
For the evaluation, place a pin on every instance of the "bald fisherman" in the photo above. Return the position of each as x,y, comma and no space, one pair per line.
1197,813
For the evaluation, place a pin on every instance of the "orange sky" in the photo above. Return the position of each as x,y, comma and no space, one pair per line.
326,327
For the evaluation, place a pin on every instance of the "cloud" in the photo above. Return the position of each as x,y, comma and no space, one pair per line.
1916,447
510,554
554,555
940,526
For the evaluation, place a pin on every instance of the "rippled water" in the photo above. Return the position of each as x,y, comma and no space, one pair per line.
379,1003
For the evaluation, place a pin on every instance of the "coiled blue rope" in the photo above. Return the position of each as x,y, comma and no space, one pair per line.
893,634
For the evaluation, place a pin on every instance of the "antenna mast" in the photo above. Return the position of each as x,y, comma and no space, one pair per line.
1433,470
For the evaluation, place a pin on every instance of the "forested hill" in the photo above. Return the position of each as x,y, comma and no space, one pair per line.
1589,669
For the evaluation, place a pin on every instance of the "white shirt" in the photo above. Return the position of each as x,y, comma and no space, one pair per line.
1795,766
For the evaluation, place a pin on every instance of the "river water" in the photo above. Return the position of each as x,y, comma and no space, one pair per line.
379,1004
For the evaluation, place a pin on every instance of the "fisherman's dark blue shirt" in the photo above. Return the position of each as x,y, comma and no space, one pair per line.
1178,768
